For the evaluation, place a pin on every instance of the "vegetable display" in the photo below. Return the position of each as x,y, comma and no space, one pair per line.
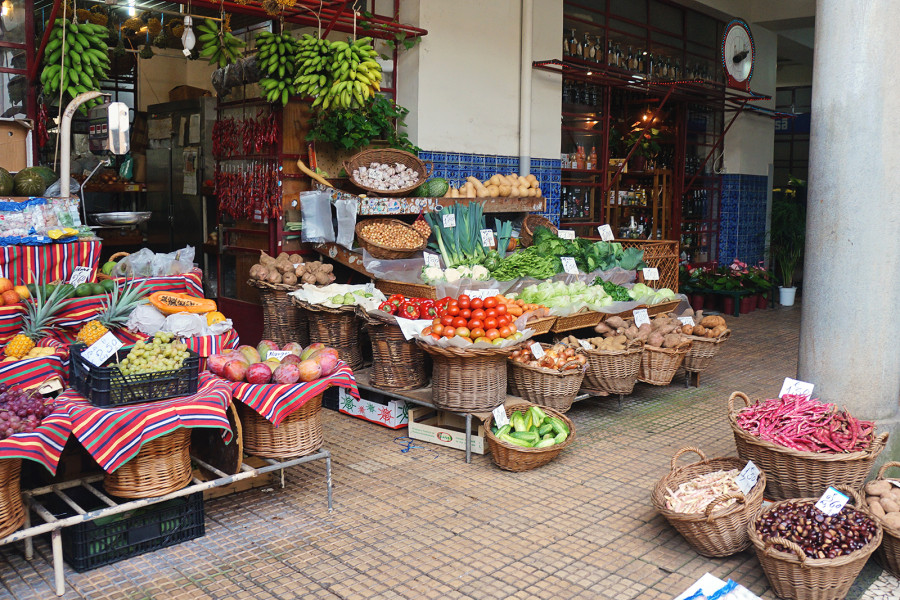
392,235
532,429
527,263
647,295
385,177
474,320
709,327
290,269
883,499
349,298
617,292
557,294
457,229
454,274
612,343
589,256
817,534
694,496
558,357
498,186
663,331
256,365
807,425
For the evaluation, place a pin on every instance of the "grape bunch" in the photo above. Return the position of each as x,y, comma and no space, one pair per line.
159,354
20,411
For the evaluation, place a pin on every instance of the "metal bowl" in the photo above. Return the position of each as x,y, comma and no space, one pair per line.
121,218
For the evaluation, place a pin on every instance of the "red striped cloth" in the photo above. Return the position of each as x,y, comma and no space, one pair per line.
29,372
207,345
274,402
10,321
44,445
53,262
113,436
78,311
187,283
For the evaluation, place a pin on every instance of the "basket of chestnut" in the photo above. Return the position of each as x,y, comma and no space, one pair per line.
547,375
809,555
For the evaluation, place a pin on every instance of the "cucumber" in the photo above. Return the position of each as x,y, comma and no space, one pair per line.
528,436
559,425
517,420
561,437
545,443
515,442
539,414
545,429
504,429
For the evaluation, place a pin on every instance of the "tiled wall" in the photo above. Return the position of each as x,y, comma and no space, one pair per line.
456,166
742,232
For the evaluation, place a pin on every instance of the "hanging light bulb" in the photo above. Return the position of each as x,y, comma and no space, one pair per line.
6,8
187,38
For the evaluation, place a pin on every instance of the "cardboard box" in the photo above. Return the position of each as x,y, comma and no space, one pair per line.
445,429
15,144
187,92
375,408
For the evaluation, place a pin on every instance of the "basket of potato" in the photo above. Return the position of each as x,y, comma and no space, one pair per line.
614,360
882,499
665,346
706,335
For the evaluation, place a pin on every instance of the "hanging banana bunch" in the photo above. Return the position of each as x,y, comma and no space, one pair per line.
313,77
276,61
356,75
78,65
218,45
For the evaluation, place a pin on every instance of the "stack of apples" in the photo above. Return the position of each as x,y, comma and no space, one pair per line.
262,365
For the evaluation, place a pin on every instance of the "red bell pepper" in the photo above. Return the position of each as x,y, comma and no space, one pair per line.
397,299
408,310
387,307
427,310
442,304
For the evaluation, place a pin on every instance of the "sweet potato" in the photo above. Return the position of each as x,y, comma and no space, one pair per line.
875,506
631,332
671,340
603,328
644,332
889,505
892,520
655,339
667,328
616,322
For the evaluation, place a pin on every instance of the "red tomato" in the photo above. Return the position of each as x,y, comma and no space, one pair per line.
449,332
492,334
505,332
463,301
491,312
513,328
477,313
501,309
427,330
435,336
477,333
452,310
438,329
463,332
465,313
490,323
490,302
459,322
476,303
436,321
503,320
476,324
446,320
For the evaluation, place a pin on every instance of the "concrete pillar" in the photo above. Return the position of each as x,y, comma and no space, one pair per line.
849,340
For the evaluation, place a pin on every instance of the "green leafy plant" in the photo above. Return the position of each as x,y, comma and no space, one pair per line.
400,40
379,119
647,144
787,234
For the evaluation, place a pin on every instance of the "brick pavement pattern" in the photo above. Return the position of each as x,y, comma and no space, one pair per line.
425,525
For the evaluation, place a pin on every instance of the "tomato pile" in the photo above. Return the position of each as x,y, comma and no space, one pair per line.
474,320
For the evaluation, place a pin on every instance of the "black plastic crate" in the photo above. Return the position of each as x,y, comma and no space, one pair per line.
108,387
104,541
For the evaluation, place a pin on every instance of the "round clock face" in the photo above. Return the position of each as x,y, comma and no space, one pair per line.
738,52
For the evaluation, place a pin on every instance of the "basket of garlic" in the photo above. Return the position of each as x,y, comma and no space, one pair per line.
386,172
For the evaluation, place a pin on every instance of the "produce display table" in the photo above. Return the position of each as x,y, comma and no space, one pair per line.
51,262
44,445
30,372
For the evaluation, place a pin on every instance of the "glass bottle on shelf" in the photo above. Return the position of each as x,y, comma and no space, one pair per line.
594,156
639,59
662,70
572,43
610,53
580,158
618,55
586,47
578,49
596,49
676,70
651,66
583,93
629,59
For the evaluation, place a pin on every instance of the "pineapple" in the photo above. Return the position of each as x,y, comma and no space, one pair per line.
38,321
114,313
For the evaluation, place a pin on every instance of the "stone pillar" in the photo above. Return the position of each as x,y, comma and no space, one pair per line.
851,276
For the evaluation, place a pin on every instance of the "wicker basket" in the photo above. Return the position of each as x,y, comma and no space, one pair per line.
387,252
702,351
796,576
579,320
101,276
658,365
613,371
161,467
283,321
468,380
715,532
515,458
389,156
397,363
541,325
335,327
299,434
888,552
529,224
796,474
545,387
410,290
12,511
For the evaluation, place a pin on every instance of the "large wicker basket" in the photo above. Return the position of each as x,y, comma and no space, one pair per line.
794,575
702,351
390,156
888,552
283,321
299,434
397,363
12,511
115,257
529,224
515,458
161,467
545,387
410,290
716,532
335,327
387,252
796,474
579,320
467,380
613,371
659,365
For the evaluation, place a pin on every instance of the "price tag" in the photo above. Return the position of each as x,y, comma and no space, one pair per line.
537,351
102,349
640,316
585,344
370,288
606,233
832,501
449,220
487,293
487,238
651,274
687,320
746,479
277,354
432,260
796,388
80,275
569,266
566,234
894,483
500,418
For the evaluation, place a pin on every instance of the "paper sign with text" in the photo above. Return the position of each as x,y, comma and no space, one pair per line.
687,320
651,274
566,234
482,293
585,344
500,418
370,288
569,266
640,316
80,275
537,350
432,260
449,220
796,388
832,501
747,478
102,349
606,233
277,354
487,238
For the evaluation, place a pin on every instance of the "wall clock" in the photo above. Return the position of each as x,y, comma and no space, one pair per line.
738,54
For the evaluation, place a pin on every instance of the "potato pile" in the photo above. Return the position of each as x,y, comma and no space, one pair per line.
498,186
663,331
613,343
708,327
290,269
883,499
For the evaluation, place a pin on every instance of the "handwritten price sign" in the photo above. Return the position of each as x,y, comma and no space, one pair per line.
432,260
449,221
832,501
487,293
605,232
500,418
487,238
640,316
102,349
651,274
569,266
80,275
747,478
537,350
566,234
796,388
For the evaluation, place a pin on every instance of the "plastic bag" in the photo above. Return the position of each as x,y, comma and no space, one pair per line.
346,220
126,169
135,265
315,207
54,191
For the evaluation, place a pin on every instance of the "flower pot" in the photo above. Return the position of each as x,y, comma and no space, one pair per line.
728,305
697,301
748,304
786,295
762,301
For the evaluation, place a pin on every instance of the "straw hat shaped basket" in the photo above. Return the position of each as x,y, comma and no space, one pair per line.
889,552
613,371
702,351
797,474
387,252
659,365
468,379
515,458
529,224
717,531
794,575
389,156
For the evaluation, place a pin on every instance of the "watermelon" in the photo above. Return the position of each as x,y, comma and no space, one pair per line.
6,183
49,176
437,187
29,182
421,191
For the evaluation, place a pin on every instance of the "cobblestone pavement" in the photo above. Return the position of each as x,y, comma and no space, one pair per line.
424,524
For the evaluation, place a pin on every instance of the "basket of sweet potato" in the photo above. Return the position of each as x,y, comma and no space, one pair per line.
707,336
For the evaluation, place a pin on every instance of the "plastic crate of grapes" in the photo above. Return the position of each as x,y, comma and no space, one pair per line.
107,387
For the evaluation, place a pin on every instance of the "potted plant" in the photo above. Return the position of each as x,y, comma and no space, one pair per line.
647,145
786,239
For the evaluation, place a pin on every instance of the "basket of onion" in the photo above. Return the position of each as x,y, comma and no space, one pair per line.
547,375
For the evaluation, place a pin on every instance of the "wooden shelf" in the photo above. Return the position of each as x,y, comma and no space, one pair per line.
380,206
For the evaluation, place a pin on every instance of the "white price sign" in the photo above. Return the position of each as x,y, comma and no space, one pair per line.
80,275
277,354
482,293
606,233
487,238
566,234
500,418
449,220
651,274
687,321
747,478
796,388
640,316
432,260
370,288
569,266
585,344
102,349
537,350
832,501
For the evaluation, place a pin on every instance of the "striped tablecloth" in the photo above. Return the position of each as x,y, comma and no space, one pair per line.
29,372
113,436
274,402
53,262
44,445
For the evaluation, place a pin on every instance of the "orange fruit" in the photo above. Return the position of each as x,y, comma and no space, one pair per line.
22,291
5,284
10,297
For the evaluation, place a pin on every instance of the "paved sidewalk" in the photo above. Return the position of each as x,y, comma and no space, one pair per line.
424,524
